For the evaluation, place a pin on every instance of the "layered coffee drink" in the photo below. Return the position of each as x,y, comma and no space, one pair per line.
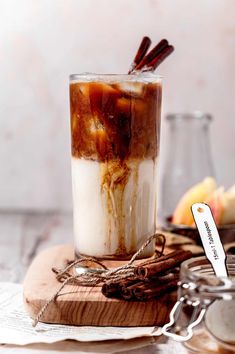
115,123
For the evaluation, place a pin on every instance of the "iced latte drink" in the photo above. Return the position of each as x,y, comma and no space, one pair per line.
115,121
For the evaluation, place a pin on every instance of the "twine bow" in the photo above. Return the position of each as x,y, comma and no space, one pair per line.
100,275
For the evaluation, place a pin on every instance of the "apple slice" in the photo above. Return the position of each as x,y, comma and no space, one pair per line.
228,215
215,202
196,194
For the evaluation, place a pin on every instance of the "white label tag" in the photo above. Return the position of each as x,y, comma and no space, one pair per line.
210,238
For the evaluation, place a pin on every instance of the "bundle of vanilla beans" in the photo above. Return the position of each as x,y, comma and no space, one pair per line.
151,278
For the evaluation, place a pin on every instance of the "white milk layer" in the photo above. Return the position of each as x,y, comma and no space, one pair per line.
96,231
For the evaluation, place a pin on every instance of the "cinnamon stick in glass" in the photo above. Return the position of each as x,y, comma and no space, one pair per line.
159,59
152,54
142,50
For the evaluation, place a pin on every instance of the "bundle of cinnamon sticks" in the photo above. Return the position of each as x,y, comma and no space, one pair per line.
151,279
144,61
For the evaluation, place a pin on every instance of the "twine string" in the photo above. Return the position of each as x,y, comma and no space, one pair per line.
100,275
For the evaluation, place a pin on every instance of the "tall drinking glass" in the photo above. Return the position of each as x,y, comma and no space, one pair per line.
115,124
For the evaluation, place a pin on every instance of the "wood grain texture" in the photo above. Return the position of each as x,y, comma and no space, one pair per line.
85,305
24,234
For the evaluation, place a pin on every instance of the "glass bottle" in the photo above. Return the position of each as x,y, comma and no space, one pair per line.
188,158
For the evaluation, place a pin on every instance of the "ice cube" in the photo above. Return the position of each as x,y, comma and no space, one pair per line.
123,105
83,88
100,88
95,125
134,89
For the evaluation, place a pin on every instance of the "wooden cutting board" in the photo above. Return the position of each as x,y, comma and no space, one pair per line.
86,306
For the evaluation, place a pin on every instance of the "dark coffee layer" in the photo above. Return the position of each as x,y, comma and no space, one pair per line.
115,121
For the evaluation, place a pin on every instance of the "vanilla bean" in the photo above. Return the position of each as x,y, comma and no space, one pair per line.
142,50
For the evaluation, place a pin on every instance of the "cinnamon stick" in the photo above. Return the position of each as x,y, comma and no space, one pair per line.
161,258
113,288
155,290
135,289
142,50
147,271
110,289
152,54
159,59
126,291
150,279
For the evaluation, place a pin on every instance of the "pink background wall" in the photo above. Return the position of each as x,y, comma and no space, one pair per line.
42,42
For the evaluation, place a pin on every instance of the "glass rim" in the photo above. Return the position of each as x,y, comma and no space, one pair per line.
198,276
142,77
188,265
190,115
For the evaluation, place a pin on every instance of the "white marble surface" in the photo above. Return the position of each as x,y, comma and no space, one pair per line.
42,42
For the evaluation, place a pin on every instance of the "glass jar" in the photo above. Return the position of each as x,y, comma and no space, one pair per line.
204,315
187,158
